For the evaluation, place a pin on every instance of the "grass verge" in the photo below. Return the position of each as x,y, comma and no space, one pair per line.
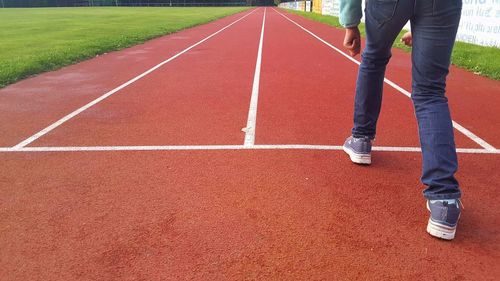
481,60
43,39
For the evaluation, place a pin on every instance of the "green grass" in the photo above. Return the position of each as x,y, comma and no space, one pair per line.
481,60
37,40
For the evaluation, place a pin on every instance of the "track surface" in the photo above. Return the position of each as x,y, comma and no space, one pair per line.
161,202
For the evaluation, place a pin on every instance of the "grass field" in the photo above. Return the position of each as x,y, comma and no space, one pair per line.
481,60
37,40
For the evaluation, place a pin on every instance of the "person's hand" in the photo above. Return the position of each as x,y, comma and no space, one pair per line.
407,39
352,40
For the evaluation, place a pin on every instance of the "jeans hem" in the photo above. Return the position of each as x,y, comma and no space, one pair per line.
443,196
359,136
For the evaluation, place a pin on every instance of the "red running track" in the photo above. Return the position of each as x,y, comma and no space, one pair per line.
233,214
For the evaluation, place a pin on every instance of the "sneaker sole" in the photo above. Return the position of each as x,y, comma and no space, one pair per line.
441,231
364,159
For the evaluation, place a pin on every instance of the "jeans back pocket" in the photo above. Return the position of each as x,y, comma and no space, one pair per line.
381,11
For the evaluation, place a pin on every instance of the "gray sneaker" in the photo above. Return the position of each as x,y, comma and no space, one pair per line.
359,149
444,218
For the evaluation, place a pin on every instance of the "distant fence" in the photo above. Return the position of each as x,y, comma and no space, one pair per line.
480,23
175,4
295,5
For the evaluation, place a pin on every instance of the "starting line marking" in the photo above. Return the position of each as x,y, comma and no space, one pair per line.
106,95
457,126
227,147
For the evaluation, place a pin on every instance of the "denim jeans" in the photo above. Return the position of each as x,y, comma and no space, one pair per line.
434,26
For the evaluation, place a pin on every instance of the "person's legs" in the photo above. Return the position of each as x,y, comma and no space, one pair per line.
383,22
434,27
384,19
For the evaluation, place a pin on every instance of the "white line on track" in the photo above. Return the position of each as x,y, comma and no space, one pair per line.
106,95
254,100
457,126
227,147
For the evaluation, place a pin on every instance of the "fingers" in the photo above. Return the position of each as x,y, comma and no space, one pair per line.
352,41
353,47
356,47
407,39
407,42
348,43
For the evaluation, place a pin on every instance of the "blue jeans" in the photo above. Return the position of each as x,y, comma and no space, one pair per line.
434,26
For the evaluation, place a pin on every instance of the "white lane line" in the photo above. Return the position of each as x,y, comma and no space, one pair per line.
254,100
106,95
457,126
473,136
228,147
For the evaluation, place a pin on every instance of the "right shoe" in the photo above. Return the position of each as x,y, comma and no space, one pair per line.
444,217
359,150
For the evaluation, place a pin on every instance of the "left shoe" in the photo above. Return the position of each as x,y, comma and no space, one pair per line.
444,217
359,150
